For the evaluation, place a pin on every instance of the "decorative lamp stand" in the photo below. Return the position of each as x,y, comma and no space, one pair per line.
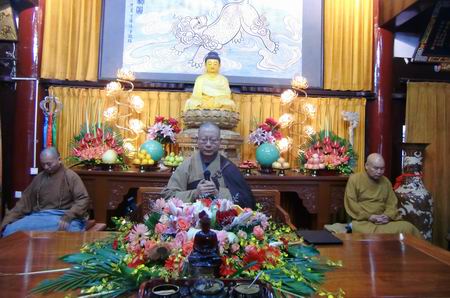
415,201
231,141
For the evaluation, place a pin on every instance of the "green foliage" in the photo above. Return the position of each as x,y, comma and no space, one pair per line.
101,270
108,268
92,270
302,273
152,220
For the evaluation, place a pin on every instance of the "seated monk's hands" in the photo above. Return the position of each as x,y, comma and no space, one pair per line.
380,219
63,225
206,187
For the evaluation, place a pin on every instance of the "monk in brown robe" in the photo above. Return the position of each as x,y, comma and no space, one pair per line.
56,199
371,202
209,174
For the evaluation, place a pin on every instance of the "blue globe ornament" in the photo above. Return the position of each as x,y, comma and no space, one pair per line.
266,154
154,148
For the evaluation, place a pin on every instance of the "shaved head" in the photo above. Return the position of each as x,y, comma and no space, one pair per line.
208,141
50,152
209,126
375,166
50,160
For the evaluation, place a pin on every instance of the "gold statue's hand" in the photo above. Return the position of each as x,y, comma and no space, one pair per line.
207,97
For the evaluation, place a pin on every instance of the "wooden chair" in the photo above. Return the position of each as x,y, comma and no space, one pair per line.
92,226
448,240
268,198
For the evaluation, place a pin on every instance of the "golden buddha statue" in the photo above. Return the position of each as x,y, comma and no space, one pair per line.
211,89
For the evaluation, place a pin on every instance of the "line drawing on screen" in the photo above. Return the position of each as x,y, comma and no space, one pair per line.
254,38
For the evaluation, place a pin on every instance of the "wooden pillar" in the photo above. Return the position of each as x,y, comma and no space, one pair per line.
25,128
378,128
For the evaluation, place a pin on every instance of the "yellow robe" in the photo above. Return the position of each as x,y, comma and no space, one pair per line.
365,196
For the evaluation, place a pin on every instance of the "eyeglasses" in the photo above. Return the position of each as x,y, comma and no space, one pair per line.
210,140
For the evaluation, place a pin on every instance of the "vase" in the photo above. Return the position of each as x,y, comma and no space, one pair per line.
266,154
154,148
414,200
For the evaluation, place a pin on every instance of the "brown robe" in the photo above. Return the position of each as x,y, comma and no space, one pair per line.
62,190
188,172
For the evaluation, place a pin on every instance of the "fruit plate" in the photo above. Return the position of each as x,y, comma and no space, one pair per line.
186,286
172,168
247,171
147,168
108,166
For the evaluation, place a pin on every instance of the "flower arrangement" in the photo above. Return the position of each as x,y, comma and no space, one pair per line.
164,130
91,144
266,132
249,244
326,150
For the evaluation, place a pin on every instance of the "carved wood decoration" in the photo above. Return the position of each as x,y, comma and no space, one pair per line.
337,198
308,195
320,195
267,204
117,193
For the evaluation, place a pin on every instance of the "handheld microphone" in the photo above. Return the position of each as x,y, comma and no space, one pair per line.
207,175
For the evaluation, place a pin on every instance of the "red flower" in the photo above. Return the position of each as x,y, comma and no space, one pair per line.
206,202
173,121
115,244
285,242
225,218
87,137
136,261
265,127
159,119
254,254
277,135
170,263
99,133
258,232
226,270
187,248
176,129
272,254
183,224
173,263
327,149
272,122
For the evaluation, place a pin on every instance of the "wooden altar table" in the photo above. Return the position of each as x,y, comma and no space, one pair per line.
321,196
374,265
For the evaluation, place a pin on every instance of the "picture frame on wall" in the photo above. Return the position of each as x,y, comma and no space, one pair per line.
8,31
260,42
